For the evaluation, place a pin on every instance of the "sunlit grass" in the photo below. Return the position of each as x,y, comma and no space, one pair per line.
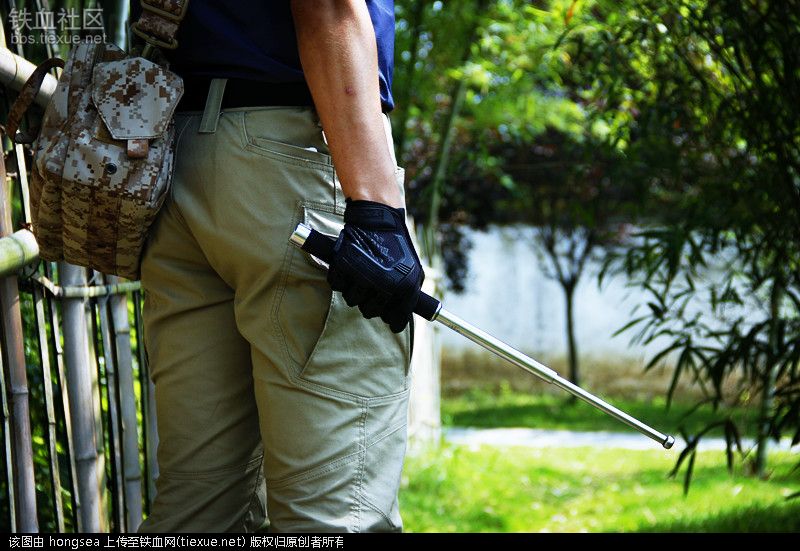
458,489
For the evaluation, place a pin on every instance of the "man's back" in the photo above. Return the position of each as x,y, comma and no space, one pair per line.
255,40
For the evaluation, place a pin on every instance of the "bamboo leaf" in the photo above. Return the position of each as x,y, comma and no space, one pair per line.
652,363
628,326
690,446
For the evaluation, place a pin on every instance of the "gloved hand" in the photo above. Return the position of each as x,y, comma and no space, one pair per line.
375,265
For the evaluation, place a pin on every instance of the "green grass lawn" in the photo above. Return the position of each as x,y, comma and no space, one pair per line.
461,489
508,408
458,489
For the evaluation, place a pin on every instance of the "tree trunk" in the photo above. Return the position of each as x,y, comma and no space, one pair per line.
572,347
769,380
443,158
430,244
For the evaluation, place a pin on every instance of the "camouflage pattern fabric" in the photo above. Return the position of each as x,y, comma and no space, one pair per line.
103,160
173,7
150,25
159,21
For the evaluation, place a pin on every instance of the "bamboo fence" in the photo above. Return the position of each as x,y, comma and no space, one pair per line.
78,426
78,411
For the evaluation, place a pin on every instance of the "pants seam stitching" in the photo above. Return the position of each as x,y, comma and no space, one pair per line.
386,434
315,472
360,471
346,396
377,509
279,292
179,475
178,213
253,496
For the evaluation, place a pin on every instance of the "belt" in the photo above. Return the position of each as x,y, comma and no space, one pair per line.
244,93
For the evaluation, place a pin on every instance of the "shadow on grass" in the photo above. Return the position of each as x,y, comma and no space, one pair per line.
482,410
772,518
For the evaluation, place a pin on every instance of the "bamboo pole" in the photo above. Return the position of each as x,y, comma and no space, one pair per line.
97,403
24,244
8,446
14,362
44,6
16,251
15,70
81,399
22,173
52,432
15,30
149,427
55,343
112,397
130,436
86,291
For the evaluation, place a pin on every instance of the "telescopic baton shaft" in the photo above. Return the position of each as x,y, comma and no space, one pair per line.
321,246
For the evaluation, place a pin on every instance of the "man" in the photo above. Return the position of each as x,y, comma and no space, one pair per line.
256,362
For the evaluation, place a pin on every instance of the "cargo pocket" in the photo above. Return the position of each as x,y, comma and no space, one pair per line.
331,345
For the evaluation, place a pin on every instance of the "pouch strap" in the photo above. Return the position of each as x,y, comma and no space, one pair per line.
159,22
208,124
26,96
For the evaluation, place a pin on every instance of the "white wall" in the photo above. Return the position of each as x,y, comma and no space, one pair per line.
508,295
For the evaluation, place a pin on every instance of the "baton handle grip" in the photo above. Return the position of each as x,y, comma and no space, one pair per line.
321,246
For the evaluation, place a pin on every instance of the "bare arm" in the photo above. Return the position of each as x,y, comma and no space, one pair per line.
338,52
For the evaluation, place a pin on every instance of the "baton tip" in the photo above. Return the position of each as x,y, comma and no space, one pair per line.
669,442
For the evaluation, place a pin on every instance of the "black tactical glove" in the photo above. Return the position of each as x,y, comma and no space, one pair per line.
375,265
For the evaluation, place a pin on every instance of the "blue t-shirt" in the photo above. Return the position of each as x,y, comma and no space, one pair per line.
255,39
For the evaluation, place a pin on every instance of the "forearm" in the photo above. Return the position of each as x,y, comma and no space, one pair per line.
338,53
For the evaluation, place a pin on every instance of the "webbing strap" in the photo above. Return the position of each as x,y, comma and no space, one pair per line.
159,22
208,124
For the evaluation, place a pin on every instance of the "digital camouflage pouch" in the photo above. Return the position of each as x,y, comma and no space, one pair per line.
103,158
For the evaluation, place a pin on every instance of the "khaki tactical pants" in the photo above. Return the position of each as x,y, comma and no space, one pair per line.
272,395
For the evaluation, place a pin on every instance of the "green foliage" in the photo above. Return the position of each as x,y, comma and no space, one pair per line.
679,118
520,149
703,99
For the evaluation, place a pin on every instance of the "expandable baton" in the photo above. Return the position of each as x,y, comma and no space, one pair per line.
321,246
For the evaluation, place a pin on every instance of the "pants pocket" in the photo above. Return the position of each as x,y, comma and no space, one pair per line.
331,345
